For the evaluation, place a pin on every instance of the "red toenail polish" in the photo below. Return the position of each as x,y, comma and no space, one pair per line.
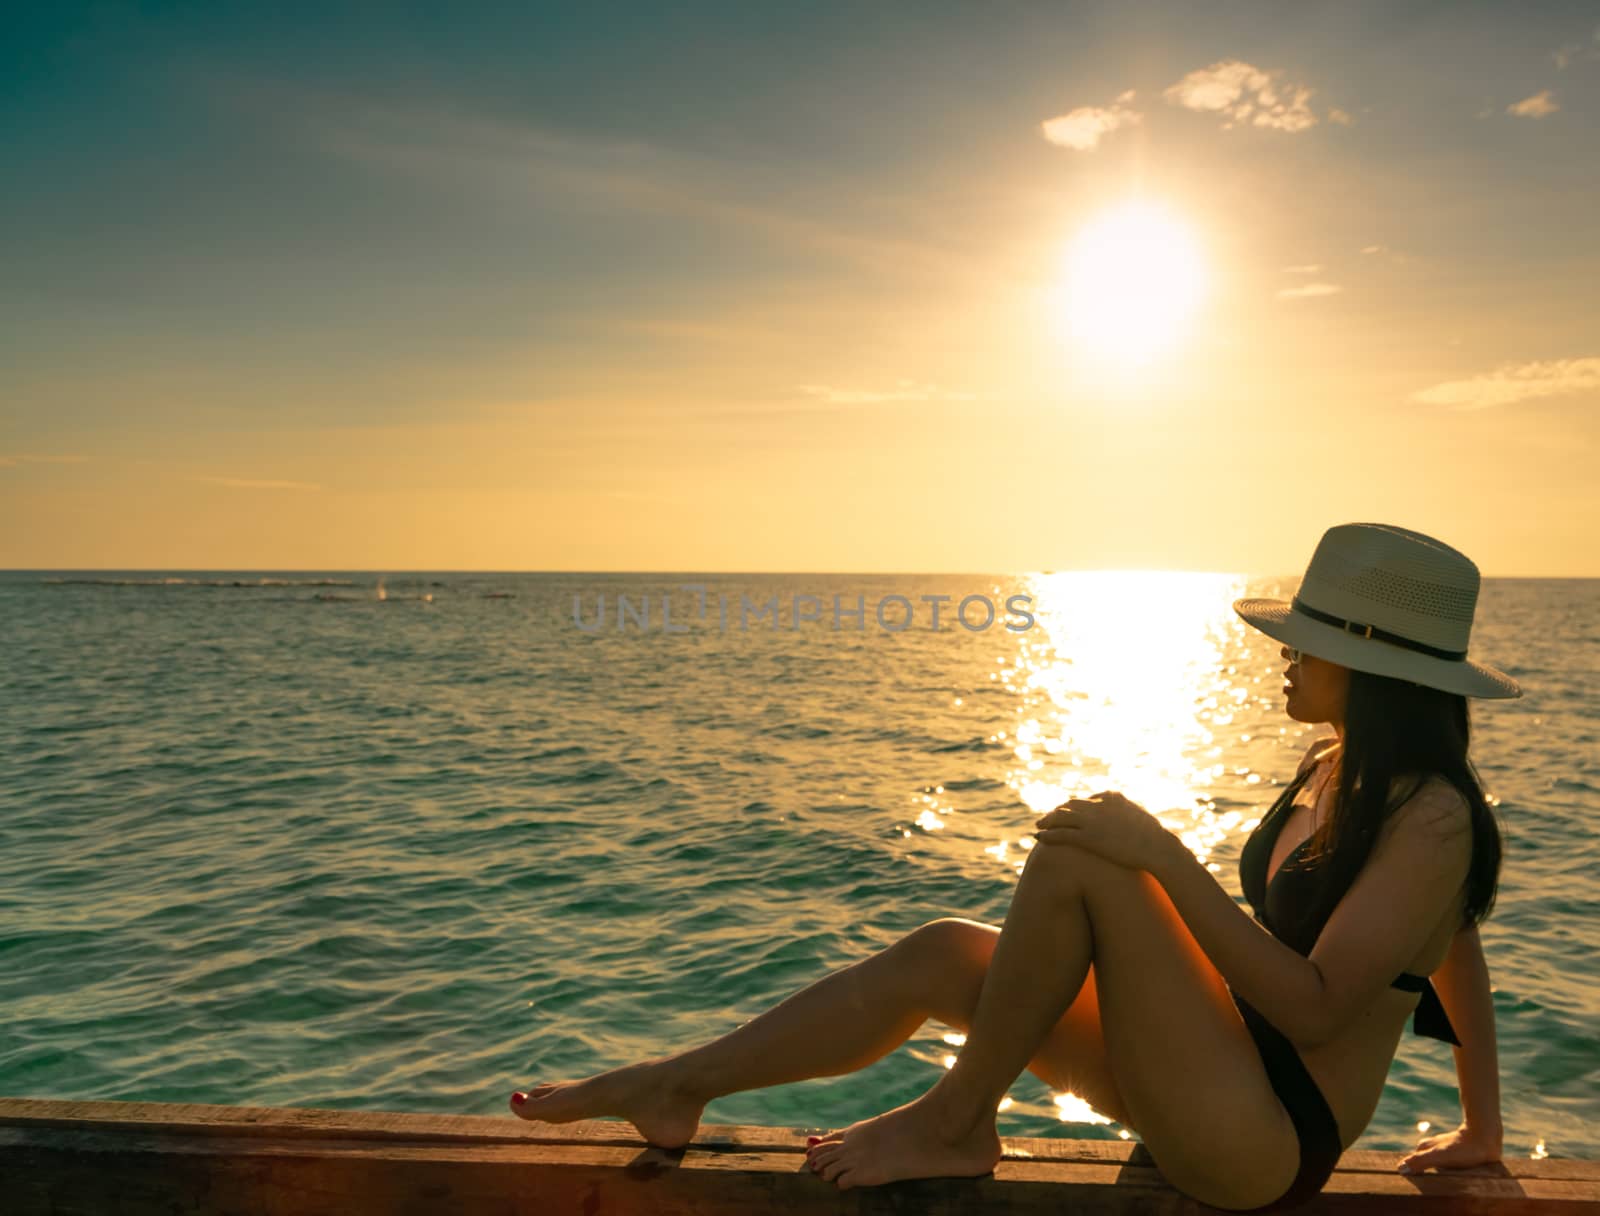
518,1098
810,1140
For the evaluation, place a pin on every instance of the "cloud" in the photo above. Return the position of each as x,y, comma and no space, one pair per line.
1246,94
1339,116
904,390
1574,52
1309,290
1311,268
1541,105
1083,129
21,458
821,398
1515,382
496,162
1374,249
248,483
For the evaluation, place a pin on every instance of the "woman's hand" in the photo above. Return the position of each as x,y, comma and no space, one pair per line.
1111,826
1454,1150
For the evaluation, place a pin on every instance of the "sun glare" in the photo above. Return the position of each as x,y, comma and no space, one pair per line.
1134,279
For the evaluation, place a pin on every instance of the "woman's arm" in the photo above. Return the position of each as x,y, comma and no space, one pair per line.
1384,919
1414,871
1279,981
1462,981
1275,978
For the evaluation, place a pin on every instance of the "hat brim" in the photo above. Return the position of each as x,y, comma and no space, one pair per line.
1277,619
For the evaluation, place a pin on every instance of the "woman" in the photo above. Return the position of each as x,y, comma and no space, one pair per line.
1247,1053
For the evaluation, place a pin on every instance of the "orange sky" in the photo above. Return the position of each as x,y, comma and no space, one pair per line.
798,300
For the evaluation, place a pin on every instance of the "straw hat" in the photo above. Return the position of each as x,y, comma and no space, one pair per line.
1386,600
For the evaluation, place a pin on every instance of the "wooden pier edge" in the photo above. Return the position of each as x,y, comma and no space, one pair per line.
131,1158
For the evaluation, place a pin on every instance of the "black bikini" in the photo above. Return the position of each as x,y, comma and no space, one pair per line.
1276,903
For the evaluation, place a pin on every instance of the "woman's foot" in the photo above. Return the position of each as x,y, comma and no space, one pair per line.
917,1140
649,1096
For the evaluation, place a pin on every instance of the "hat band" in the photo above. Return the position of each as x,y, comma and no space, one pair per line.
1372,631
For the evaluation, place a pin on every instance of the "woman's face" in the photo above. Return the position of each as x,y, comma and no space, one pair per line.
1316,689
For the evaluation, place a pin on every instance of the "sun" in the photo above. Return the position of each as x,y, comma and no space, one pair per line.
1135,277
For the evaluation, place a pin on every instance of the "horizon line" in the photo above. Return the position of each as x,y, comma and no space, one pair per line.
392,571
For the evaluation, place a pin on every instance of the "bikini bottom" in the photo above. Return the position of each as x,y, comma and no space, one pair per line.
1314,1123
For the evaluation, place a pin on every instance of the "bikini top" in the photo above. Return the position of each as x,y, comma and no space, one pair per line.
1281,906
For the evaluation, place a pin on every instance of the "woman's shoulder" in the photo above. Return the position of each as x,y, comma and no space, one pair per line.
1320,747
1432,801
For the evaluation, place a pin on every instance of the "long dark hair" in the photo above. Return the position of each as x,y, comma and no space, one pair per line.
1396,730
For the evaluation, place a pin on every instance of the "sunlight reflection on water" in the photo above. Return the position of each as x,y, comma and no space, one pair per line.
1118,688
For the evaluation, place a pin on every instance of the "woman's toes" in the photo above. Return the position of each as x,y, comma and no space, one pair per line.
524,1101
824,1155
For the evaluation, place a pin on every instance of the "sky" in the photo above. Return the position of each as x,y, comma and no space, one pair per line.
854,287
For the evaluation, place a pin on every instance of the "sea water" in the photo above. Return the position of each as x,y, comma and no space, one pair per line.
411,842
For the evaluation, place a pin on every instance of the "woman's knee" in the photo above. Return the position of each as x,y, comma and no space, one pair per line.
949,958
1061,869
953,937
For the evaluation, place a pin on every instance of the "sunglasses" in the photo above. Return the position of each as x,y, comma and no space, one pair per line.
1295,655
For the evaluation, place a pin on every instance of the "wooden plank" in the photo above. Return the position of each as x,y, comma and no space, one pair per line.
1354,1161
64,1171
206,1119
99,1157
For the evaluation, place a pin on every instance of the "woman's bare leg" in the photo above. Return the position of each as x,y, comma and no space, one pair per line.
1169,1024
1040,962
841,1023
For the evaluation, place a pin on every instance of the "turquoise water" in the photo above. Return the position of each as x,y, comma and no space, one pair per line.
411,843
